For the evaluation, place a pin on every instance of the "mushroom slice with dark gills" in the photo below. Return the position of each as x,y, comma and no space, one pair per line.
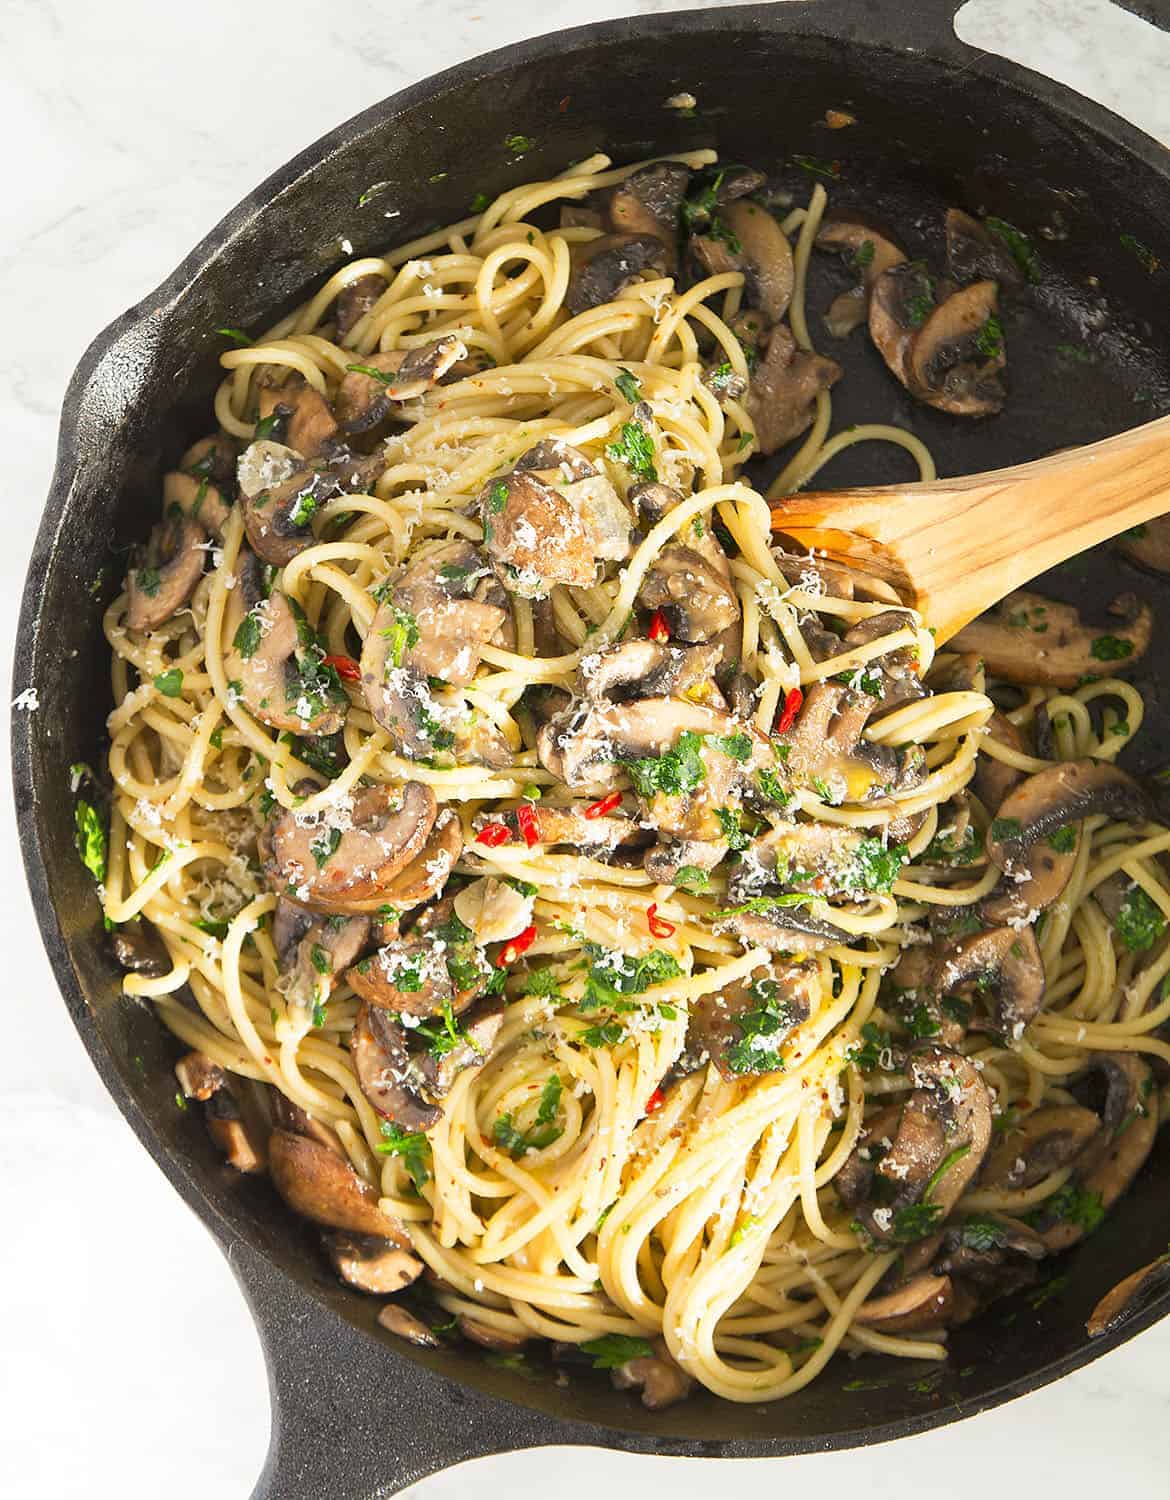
378,1051
321,1186
313,951
955,358
356,300
825,745
279,495
197,497
274,660
371,391
1045,806
1130,1117
743,1028
994,779
477,1032
164,578
867,250
892,678
1040,1142
551,520
923,1301
427,874
942,1135
346,860
371,1263
696,603
771,922
819,858
1128,1297
901,299
309,424
976,253
781,396
661,1380
1030,639
650,669
604,266
647,202
745,237
1004,960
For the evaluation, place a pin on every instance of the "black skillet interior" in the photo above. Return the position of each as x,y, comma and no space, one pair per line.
1089,354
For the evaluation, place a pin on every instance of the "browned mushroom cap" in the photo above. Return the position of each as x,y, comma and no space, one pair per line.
327,1190
664,861
640,668
1042,806
603,266
488,1336
781,398
242,1140
404,1325
309,425
434,618
662,1381
313,951
695,601
348,864
371,1263
279,495
364,399
428,872
892,678
1149,544
1005,960
994,779
1128,1297
377,1049
162,583
826,743
409,977
924,1301
782,929
942,1136
745,237
199,1077
1030,639
196,497
297,1121
356,300
954,359
818,857
975,253
1039,1143
273,658
479,1029
868,250
647,202
995,1253
784,993
1037,879
139,949
583,744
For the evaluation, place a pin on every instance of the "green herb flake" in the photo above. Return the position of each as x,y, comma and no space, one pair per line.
1018,244
1142,253
634,448
691,878
1140,922
989,339
497,497
875,866
762,1029
519,144
412,1146
816,167
1005,829
1111,648
170,683
629,385
400,637
612,1350
237,336
478,203
325,845
248,636
679,770
1064,840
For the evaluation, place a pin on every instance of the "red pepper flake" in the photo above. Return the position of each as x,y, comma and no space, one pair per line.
659,926
526,822
603,805
564,104
511,951
655,1102
345,667
793,700
659,629
493,834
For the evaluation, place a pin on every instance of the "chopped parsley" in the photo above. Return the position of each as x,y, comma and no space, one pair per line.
875,1049
692,879
612,1350
762,1029
324,846
729,825
629,385
211,928
921,1024
149,580
400,637
545,1131
541,982
989,339
478,203
738,746
718,230
876,866
170,682
1140,922
943,849
321,960
606,1034
862,256
678,770
1003,829
303,509
412,1146
497,497
1145,256
613,976
248,636
1018,244
519,144
237,336
816,167
770,783
915,1222
1071,1205
983,1232
634,448
1111,648
1064,840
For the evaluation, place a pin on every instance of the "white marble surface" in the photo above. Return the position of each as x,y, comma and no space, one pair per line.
129,1365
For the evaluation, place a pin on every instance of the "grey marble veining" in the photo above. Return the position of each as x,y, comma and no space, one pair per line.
131,127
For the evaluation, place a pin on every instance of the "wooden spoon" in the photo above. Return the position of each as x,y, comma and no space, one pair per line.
951,548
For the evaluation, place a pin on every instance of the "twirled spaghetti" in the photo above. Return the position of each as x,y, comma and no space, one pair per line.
594,1177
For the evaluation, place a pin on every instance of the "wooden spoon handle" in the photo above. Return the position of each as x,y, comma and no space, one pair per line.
954,547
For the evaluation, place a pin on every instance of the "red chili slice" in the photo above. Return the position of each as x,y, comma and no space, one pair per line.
345,667
526,822
492,834
511,951
793,701
655,1102
659,926
659,629
603,805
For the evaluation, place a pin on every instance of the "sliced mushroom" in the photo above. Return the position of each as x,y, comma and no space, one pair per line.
901,299
1037,879
825,743
996,1253
782,394
782,929
274,660
435,617
313,951
165,578
480,1028
355,301
696,603
329,867
783,996
954,360
662,1380
409,977
745,237
557,824
1148,545
428,872
924,1301
604,266
583,744
364,401
377,1049
1048,802
214,458
240,1140
975,253
647,202
892,678
1030,639
488,1336
139,949
395,1319
640,668
994,779
868,250
814,857
853,1184
1129,1297
1005,959
1038,1144
279,495
371,1263
310,425
297,1121
199,1077
197,498
322,1187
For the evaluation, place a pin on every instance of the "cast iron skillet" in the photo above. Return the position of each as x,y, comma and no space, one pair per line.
356,1413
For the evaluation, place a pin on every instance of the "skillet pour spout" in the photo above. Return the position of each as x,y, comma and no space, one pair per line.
357,1414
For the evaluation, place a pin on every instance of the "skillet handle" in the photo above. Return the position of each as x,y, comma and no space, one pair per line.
352,1419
